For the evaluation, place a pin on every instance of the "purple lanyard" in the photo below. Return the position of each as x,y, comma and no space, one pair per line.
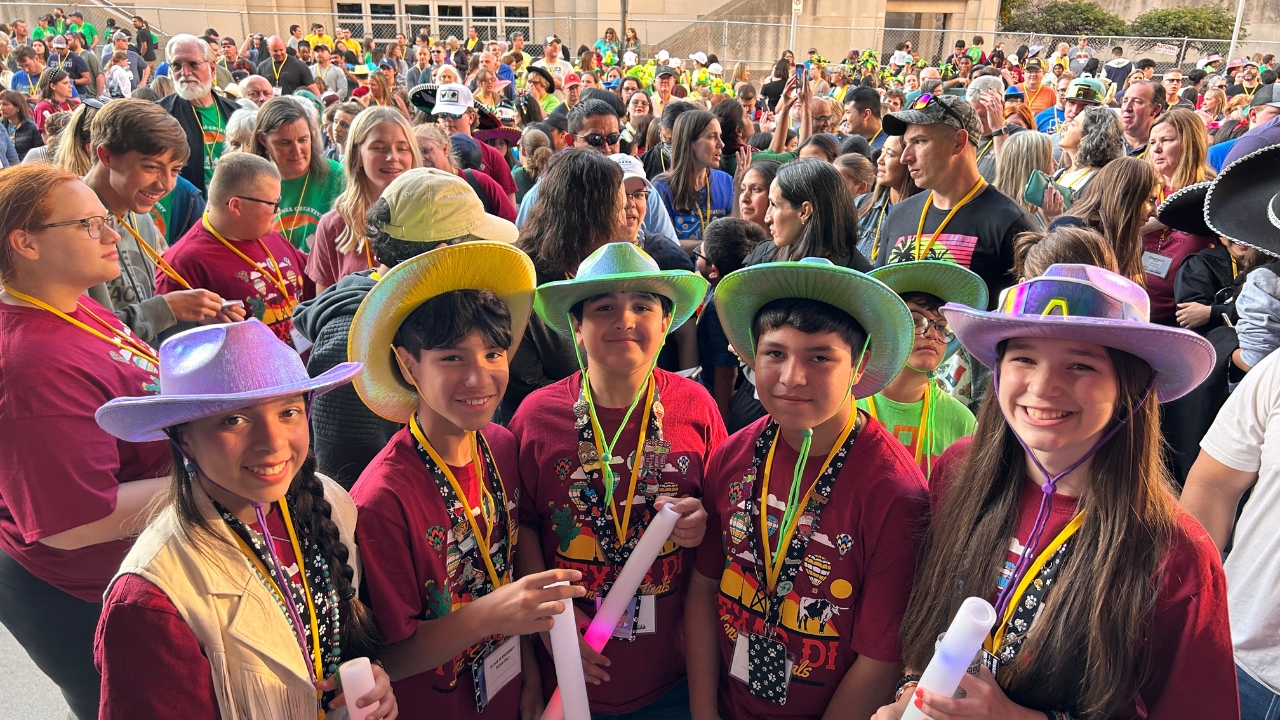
1047,490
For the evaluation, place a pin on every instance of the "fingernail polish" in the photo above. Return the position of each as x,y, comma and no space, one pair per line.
919,703
920,694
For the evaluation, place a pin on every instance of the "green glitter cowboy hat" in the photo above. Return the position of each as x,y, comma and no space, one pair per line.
945,280
619,267
875,306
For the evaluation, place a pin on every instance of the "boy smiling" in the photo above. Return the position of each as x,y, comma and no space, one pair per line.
803,577
602,450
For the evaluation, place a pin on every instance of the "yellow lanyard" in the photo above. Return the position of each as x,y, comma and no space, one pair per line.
635,466
704,220
986,148
316,657
920,255
288,233
277,70
996,639
1032,100
154,256
277,280
875,241
773,567
1235,269
486,508
922,438
218,125
117,337
876,137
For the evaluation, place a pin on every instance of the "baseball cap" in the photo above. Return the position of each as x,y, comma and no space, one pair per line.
453,99
433,206
630,59
120,35
572,79
631,167
550,39
1249,61
931,109
663,56
467,150
1086,90
1265,95
701,57
664,70
1034,64
715,69
58,41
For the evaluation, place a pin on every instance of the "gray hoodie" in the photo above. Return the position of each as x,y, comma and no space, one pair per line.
1259,308
346,434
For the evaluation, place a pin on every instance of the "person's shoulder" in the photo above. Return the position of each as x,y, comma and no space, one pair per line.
676,387
501,440
393,468
994,200
548,400
912,204
1192,566
883,460
738,445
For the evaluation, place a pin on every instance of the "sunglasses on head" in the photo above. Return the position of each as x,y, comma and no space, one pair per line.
1082,92
928,99
598,140
1064,297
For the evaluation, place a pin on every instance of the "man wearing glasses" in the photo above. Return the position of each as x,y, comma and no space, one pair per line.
959,217
1172,82
202,113
455,109
593,125
237,253
139,151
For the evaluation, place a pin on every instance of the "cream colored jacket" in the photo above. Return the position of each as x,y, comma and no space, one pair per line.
258,670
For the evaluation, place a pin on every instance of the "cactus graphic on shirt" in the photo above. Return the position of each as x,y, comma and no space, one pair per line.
563,526
438,602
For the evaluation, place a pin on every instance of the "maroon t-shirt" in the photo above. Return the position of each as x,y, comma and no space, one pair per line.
1175,246
325,265
644,669
1189,669
850,595
58,469
406,539
495,166
152,665
206,263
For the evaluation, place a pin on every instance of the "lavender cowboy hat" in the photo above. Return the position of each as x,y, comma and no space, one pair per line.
214,369
1089,304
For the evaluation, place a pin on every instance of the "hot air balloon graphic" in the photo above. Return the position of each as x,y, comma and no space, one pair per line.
817,568
739,526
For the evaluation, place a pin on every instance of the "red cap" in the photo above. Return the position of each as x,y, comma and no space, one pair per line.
572,79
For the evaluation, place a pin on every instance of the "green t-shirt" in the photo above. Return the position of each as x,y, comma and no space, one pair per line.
549,103
951,420
303,200
90,33
162,215
214,128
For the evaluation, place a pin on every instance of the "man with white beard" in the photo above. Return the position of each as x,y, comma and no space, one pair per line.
202,113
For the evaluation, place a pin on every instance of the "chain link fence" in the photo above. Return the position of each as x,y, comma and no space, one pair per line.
756,44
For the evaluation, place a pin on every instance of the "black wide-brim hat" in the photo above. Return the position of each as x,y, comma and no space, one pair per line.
543,73
423,97
1184,210
1238,203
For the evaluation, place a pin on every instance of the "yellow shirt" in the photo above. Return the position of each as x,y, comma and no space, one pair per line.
325,40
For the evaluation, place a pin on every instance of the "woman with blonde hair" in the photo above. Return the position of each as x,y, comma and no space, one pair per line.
1178,149
741,73
73,143
1213,108
1023,153
380,147
535,152
487,88
163,85
380,93
1116,203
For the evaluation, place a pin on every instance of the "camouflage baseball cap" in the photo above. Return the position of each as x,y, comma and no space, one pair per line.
927,109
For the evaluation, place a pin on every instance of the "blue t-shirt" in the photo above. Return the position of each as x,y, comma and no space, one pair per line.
689,224
1218,153
713,345
1048,120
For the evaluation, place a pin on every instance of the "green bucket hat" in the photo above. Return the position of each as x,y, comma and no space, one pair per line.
945,280
619,267
876,307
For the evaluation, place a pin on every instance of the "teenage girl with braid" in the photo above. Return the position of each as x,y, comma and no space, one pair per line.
1110,599
239,598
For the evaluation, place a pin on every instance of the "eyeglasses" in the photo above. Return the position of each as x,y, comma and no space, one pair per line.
923,325
93,224
640,196
192,66
822,119
598,140
928,99
697,253
274,204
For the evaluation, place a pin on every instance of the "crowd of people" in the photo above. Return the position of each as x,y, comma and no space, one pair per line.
346,349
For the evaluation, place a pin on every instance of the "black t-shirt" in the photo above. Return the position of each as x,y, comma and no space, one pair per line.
1239,89
979,237
294,74
771,91
75,66
656,160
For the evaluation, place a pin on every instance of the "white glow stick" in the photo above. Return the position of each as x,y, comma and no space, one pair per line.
955,651
357,681
623,591
568,659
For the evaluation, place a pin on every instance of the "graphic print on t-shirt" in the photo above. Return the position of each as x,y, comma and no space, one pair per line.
269,306
951,247
578,547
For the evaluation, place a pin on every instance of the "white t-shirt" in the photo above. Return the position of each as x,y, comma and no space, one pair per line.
1246,437
558,70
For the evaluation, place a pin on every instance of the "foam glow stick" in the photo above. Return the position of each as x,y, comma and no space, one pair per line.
955,651
568,659
622,592
357,681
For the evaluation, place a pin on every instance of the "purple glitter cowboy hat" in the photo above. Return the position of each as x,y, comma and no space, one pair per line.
1089,304
214,369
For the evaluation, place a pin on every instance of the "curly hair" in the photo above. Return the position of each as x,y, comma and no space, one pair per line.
1101,137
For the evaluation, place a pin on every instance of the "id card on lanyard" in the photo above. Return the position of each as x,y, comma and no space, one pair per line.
640,617
494,668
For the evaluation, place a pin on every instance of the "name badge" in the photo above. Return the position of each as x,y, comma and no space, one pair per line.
1156,264
496,666
764,665
300,341
640,617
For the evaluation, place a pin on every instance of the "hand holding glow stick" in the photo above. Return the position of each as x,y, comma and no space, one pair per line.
357,681
955,652
568,659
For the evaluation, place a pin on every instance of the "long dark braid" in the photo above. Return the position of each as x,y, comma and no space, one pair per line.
312,514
